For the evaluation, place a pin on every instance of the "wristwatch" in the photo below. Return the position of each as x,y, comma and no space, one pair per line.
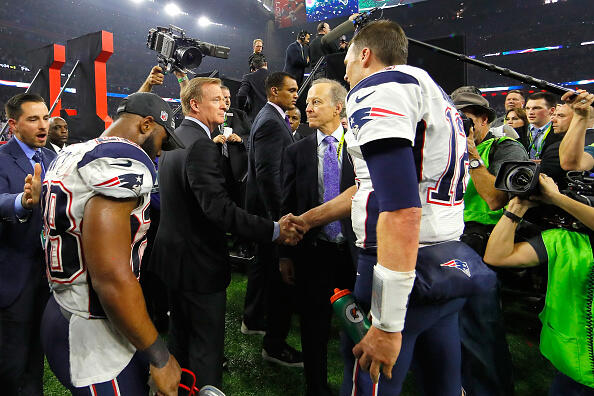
475,163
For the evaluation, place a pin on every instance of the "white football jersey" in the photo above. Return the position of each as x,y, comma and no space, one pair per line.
404,102
112,167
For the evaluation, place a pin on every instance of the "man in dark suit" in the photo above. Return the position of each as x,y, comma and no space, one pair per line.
58,134
190,253
269,135
297,56
23,287
251,96
315,170
232,137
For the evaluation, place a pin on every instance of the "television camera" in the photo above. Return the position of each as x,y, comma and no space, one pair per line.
175,51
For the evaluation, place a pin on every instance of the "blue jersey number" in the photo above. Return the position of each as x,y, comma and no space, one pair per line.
450,187
61,238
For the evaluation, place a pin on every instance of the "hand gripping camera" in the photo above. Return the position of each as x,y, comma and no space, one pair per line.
175,51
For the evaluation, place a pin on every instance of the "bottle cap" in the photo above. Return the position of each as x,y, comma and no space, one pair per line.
338,294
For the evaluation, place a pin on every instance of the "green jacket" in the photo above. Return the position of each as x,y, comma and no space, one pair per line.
567,318
476,208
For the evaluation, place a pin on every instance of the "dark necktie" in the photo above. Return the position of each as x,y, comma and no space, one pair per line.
288,123
38,158
331,182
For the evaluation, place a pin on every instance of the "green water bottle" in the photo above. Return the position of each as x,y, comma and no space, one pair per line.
353,320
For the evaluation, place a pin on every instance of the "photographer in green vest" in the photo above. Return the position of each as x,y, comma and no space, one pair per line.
486,361
567,318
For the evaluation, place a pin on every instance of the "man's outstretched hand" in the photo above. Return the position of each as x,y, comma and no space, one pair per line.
291,230
378,349
32,189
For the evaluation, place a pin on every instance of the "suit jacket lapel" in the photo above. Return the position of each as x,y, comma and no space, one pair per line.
19,157
347,173
310,156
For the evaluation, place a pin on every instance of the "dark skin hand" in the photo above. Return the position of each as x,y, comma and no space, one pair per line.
107,223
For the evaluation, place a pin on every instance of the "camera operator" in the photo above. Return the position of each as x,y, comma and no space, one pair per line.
325,43
572,154
486,361
566,336
297,56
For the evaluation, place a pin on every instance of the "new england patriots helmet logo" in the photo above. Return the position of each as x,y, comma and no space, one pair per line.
459,265
366,114
131,181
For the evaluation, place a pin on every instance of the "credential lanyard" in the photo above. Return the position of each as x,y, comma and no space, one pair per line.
542,141
340,144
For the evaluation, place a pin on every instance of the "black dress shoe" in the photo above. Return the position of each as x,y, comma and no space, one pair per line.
285,356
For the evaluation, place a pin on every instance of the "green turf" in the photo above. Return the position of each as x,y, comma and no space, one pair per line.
249,375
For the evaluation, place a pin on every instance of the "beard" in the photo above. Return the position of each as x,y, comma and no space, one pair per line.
149,147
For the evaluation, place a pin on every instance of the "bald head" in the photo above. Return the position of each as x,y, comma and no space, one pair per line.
58,131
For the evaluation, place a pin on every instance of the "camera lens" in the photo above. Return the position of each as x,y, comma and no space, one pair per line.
519,179
189,57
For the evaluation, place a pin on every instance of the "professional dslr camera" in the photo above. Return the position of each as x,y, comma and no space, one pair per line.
175,51
520,178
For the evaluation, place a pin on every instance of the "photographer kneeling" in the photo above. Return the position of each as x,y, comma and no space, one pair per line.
566,336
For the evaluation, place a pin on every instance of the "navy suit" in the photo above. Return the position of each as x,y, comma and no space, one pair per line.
296,60
251,96
269,136
319,266
23,288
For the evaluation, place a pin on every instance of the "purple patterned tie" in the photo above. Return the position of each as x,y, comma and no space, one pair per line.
288,123
331,182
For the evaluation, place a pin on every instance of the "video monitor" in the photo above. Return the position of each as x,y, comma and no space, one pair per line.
320,10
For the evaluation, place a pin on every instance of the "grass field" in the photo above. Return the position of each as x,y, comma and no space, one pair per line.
248,375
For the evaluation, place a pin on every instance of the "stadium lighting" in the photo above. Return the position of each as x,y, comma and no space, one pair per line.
204,21
172,9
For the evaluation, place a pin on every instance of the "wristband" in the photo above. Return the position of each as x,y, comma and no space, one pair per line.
389,297
182,78
513,217
157,354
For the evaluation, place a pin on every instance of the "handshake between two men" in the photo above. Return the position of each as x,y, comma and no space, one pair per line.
292,229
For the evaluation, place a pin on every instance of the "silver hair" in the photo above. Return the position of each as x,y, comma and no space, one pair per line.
338,93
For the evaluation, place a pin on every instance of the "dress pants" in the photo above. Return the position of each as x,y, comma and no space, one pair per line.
320,267
21,354
267,296
197,334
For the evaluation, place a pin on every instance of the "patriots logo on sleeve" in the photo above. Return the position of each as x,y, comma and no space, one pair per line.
131,181
459,265
364,115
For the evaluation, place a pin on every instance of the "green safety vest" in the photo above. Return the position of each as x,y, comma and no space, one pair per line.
567,318
475,207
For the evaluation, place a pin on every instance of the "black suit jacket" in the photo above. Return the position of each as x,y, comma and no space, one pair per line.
190,250
296,61
21,254
269,136
251,96
300,185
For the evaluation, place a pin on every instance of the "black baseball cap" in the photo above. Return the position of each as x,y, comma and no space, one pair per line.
149,104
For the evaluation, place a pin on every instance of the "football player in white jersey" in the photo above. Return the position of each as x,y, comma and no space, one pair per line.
408,146
96,332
